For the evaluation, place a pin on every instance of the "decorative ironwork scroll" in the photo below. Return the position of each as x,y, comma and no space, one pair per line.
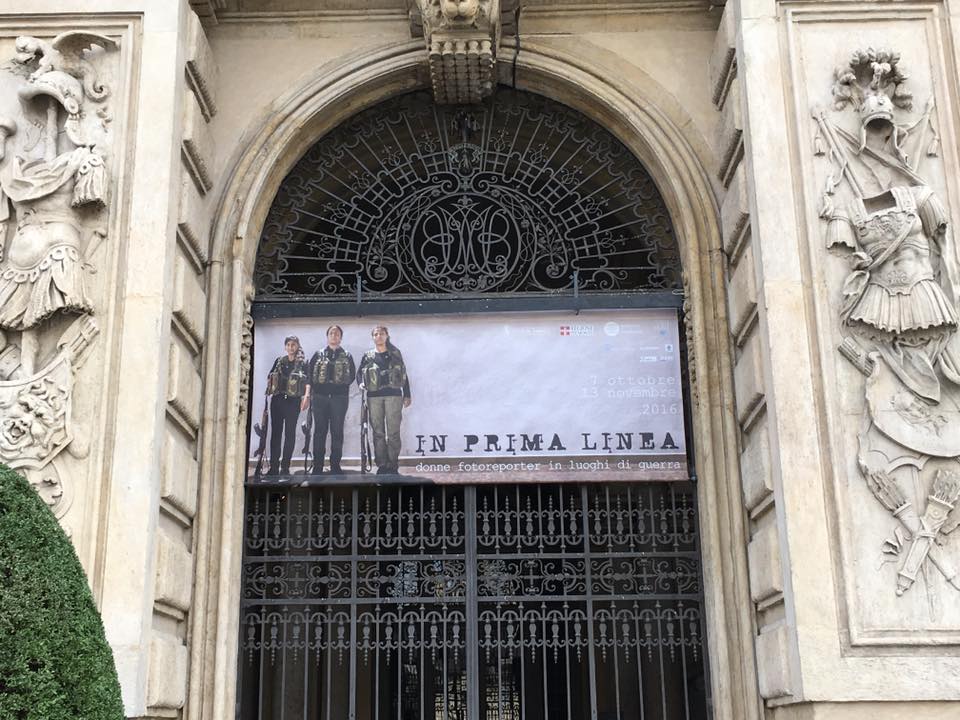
499,602
521,195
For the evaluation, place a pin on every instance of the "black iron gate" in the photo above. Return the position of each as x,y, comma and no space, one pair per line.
500,602
494,602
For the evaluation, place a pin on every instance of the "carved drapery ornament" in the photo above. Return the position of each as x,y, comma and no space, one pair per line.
462,37
53,193
899,307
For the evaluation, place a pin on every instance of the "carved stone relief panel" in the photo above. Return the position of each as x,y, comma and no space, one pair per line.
57,140
882,240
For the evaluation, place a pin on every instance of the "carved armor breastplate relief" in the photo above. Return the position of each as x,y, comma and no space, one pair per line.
44,271
900,293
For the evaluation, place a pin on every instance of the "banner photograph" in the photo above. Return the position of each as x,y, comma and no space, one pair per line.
487,397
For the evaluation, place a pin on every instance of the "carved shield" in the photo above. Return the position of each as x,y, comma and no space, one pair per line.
928,428
35,415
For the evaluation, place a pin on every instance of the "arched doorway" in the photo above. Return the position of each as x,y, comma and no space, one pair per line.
393,596
641,115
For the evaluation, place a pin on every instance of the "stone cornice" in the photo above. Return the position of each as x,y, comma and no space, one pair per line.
380,10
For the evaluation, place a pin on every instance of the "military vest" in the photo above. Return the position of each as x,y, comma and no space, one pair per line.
336,370
288,377
377,377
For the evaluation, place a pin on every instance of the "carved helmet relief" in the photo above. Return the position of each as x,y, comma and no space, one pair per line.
54,137
898,307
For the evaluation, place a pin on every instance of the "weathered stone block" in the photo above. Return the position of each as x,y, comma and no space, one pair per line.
742,291
167,678
179,474
201,67
763,558
721,64
183,390
755,466
197,144
729,141
773,661
748,377
193,221
174,572
189,299
735,212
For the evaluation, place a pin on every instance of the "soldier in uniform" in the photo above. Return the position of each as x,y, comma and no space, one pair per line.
288,389
330,372
384,376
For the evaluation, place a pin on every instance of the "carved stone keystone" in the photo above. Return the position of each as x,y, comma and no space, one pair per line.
462,37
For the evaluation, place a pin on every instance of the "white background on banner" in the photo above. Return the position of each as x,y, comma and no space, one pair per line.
533,373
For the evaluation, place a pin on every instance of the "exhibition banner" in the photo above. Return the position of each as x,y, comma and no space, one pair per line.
488,397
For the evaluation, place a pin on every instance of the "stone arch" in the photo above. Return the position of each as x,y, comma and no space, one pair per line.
645,118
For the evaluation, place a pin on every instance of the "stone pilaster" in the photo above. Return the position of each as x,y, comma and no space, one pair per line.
823,581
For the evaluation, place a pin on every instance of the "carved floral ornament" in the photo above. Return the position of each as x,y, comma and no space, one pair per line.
899,307
55,137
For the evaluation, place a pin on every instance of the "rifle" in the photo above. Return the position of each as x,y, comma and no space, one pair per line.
365,464
306,428
261,429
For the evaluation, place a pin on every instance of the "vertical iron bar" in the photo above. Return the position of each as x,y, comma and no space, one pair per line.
376,657
613,609
423,618
328,608
377,550
543,648
423,650
566,655
355,506
287,568
328,660
636,625
681,624
663,683
471,611
283,663
399,656
445,676
306,616
263,608
500,670
616,658
588,592
399,607
522,654
683,661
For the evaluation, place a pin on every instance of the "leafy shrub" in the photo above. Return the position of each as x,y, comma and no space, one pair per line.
55,663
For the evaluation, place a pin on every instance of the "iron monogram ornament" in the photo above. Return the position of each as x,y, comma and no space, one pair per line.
522,195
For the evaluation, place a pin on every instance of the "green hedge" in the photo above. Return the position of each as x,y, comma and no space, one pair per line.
55,663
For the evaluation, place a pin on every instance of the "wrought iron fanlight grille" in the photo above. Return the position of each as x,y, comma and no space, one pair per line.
522,195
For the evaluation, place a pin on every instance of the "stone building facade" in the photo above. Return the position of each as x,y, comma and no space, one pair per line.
806,152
